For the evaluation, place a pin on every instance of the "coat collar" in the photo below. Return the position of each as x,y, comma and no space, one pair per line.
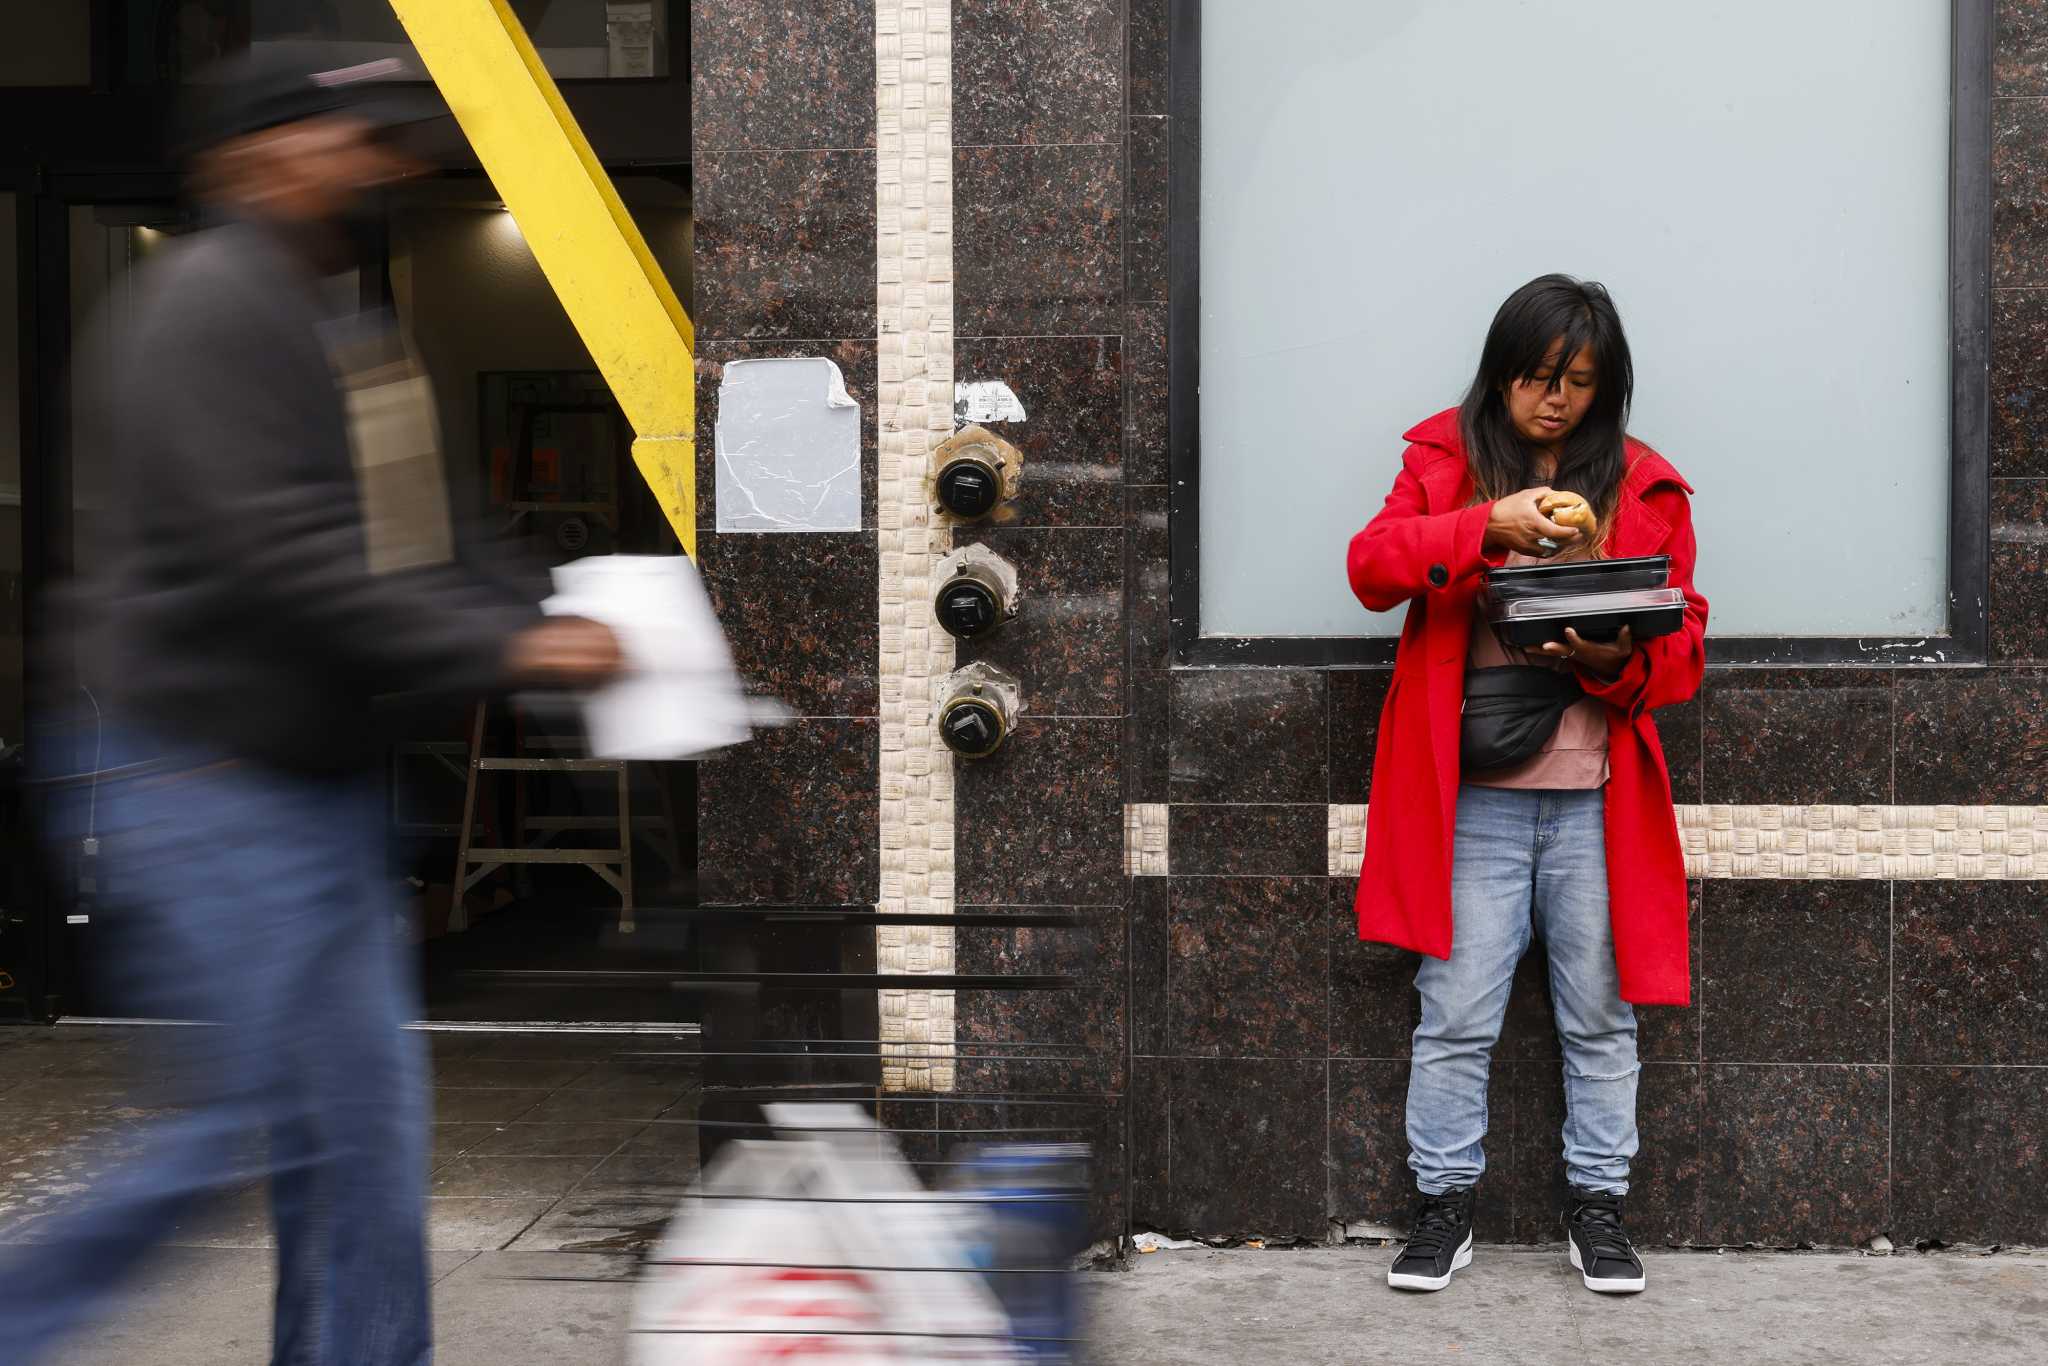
1446,482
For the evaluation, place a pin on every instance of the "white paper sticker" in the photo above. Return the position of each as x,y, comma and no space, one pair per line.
788,447
986,400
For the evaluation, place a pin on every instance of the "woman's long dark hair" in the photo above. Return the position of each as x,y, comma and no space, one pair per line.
1523,334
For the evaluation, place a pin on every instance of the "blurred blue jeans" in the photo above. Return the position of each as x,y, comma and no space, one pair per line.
253,900
1526,862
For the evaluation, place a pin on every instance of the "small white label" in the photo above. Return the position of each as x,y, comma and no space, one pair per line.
986,400
78,920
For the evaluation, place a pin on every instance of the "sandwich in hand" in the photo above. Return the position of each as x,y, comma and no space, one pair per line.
1569,509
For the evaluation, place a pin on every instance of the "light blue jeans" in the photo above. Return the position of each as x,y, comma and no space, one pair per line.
1526,863
255,900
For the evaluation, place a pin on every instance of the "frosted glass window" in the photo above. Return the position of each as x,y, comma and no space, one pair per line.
1762,185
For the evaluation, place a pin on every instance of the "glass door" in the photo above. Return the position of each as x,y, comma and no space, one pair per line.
89,239
18,943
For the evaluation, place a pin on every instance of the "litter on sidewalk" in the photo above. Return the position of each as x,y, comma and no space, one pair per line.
822,1245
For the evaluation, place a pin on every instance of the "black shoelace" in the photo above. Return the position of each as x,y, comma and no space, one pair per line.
1600,1222
1439,1222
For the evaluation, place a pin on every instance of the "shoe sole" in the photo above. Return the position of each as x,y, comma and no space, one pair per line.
1612,1285
1459,1261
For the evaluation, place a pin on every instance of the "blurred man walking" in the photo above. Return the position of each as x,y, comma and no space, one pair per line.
242,631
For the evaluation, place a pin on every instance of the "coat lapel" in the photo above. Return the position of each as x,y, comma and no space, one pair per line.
1638,530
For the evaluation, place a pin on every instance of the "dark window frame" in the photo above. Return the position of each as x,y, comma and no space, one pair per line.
113,20
1970,194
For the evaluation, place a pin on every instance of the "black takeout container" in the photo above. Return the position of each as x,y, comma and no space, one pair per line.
1578,576
1527,622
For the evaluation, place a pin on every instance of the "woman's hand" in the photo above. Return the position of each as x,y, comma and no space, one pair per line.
1603,661
1516,522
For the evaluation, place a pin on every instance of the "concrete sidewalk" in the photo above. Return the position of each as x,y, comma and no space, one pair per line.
210,1307
557,1158
1528,1307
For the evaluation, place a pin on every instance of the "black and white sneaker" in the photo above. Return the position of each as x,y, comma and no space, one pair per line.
1600,1249
1439,1244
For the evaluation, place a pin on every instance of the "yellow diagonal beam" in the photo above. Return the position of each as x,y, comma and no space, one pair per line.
578,229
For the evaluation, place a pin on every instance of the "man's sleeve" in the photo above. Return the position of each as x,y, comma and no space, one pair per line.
246,451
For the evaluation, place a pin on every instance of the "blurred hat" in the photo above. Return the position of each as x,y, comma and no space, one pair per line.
273,84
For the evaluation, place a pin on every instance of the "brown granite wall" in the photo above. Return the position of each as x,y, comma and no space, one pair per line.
1039,244
784,169
1861,1057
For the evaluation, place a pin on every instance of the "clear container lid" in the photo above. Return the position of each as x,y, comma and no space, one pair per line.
1588,604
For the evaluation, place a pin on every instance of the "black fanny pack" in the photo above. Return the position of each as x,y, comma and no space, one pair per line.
1510,712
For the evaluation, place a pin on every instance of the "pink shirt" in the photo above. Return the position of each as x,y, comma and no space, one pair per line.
1575,756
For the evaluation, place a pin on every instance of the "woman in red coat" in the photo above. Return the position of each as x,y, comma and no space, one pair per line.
1573,841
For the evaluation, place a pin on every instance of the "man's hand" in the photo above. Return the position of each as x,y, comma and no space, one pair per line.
570,652
1604,662
1516,522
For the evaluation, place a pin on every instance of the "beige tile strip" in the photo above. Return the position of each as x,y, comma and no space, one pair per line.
1904,842
1347,839
1911,843
914,296
1145,839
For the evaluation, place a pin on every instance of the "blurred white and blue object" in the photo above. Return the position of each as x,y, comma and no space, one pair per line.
823,1245
680,695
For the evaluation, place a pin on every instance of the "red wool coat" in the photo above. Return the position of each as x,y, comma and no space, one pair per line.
1424,549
